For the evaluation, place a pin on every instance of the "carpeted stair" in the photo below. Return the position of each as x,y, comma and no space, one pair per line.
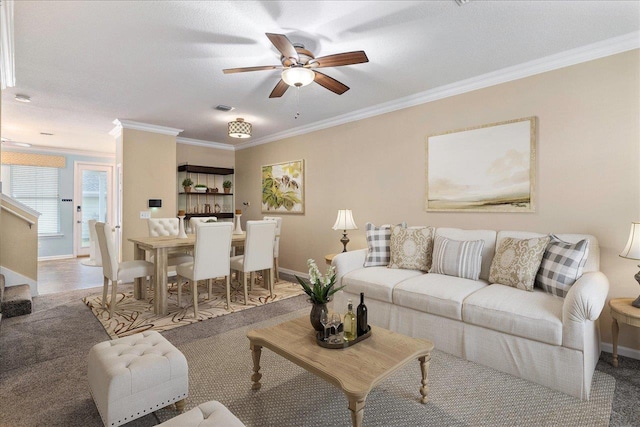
14,300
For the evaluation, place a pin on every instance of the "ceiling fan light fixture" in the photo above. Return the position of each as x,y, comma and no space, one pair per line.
239,129
298,76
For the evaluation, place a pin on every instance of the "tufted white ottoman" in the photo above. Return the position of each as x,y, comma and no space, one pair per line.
208,414
132,376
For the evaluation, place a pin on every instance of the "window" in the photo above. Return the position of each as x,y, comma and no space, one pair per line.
37,187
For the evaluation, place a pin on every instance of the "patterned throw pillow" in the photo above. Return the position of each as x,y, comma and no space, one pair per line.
561,265
378,242
457,258
411,248
516,262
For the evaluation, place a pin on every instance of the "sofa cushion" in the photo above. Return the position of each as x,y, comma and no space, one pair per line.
378,244
489,237
561,265
376,282
436,294
534,315
457,258
411,248
516,261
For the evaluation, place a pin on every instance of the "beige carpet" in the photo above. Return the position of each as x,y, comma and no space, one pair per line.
462,393
132,316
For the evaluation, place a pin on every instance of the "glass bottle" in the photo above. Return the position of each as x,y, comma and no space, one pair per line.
349,324
361,311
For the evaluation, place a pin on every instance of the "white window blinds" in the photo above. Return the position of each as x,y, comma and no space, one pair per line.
37,187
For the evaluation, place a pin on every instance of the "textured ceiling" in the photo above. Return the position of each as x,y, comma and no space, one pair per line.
86,63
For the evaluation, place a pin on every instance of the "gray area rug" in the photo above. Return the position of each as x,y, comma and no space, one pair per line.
462,393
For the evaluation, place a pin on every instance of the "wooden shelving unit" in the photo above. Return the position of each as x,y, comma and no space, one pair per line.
194,203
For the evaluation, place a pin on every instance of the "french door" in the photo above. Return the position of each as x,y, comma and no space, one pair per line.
93,198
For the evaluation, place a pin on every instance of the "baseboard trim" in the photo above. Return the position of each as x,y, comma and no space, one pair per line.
622,351
12,278
293,273
54,257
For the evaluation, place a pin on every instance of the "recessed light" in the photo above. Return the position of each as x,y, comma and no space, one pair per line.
46,134
23,98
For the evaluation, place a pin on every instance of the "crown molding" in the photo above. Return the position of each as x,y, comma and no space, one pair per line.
564,59
7,53
202,143
129,124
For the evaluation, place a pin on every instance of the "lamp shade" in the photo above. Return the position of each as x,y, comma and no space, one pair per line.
298,76
632,250
239,129
345,220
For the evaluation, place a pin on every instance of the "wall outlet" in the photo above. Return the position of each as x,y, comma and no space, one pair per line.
145,214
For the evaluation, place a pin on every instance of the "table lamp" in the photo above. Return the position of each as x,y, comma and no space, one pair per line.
344,222
632,251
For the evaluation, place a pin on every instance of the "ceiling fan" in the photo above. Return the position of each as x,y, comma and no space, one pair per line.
299,64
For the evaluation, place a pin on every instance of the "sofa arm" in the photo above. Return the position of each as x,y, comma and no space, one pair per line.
584,303
348,261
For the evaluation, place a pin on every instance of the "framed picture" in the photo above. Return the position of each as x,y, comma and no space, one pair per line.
283,187
489,168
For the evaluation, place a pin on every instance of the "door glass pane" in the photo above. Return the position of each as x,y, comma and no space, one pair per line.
94,200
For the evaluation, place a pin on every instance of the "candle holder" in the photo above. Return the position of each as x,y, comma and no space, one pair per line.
238,229
181,233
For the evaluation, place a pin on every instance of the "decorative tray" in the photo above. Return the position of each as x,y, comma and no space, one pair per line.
342,343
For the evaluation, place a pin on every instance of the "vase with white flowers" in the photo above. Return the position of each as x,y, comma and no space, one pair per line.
319,289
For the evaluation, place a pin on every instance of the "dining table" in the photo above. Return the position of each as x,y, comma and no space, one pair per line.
160,247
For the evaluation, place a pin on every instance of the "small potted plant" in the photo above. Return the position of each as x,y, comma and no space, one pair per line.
200,188
227,186
319,289
187,183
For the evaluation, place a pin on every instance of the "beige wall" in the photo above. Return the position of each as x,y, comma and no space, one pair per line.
19,243
588,180
148,172
204,156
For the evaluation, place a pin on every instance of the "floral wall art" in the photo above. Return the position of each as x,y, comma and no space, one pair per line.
489,168
283,187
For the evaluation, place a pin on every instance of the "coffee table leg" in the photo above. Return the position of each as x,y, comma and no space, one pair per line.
357,411
256,351
424,367
614,334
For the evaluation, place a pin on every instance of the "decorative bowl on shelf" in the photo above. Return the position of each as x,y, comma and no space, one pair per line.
200,189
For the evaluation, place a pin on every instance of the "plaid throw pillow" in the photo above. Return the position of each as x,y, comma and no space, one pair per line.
561,265
457,258
378,242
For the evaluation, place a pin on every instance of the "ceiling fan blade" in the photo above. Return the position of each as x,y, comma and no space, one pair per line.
279,90
284,46
347,58
330,83
245,69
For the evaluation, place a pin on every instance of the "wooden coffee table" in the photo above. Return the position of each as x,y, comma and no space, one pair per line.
354,370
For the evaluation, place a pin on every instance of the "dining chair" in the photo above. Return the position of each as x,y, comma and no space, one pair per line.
210,260
115,271
194,221
258,254
276,244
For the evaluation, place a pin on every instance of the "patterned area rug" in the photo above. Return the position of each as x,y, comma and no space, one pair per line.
462,393
132,316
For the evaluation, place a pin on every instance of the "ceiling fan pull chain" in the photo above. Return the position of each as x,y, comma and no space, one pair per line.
295,117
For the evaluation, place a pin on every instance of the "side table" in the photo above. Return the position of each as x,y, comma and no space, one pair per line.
622,311
329,258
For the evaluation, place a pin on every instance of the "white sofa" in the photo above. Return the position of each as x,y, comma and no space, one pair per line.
537,336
